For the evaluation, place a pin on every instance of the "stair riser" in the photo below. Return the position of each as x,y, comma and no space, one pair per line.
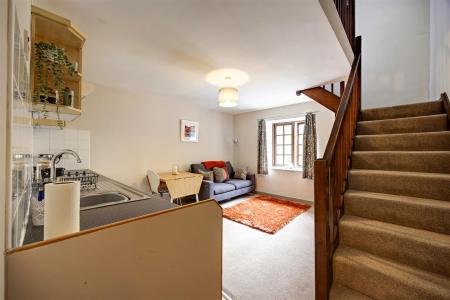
381,285
433,257
425,142
431,187
409,125
415,215
438,162
404,111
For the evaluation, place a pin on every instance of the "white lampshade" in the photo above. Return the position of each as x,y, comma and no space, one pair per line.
228,97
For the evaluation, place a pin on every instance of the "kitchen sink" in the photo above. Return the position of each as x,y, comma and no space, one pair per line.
102,199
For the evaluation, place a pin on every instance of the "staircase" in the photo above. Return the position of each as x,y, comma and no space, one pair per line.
394,235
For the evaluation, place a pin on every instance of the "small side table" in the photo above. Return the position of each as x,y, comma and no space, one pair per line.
182,184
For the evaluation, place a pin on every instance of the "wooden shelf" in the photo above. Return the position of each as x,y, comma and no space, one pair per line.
48,122
48,27
56,28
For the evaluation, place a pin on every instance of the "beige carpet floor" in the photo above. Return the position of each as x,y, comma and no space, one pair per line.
257,265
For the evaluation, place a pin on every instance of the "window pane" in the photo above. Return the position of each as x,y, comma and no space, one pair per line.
287,150
300,160
288,139
287,159
287,128
279,140
279,130
279,160
279,150
301,128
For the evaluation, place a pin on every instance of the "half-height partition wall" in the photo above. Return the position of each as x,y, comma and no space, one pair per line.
172,254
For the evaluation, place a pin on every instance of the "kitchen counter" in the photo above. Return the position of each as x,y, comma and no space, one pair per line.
138,204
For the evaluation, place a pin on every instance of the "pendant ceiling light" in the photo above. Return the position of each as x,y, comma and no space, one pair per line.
227,80
228,97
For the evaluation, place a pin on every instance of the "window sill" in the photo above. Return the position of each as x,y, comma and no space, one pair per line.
286,169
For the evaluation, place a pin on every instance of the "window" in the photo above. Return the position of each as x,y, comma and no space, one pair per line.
287,144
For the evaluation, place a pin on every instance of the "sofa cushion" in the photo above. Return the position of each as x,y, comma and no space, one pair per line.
208,175
230,169
220,174
241,173
213,164
196,167
220,188
239,183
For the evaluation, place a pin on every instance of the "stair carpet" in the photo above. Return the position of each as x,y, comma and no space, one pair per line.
394,236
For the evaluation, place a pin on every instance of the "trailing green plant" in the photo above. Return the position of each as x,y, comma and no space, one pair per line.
50,62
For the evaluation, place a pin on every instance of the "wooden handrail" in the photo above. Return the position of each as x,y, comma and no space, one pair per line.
346,12
330,177
446,104
323,97
345,99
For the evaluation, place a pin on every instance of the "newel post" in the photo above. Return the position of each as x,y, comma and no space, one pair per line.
322,229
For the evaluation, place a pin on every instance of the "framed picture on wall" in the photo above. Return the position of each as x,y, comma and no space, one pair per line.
189,131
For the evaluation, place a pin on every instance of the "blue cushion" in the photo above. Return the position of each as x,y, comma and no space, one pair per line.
239,183
220,188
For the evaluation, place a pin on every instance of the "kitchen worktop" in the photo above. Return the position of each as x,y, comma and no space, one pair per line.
138,205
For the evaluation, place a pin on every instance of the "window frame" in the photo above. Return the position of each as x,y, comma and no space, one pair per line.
274,142
295,147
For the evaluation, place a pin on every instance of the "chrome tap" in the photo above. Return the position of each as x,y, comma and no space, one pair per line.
55,160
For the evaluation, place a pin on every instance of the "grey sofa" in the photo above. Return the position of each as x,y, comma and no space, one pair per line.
227,190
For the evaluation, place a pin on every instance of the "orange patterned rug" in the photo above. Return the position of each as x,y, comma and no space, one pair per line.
265,213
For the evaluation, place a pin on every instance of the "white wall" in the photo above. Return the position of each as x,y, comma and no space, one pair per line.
54,140
279,182
439,47
395,51
132,133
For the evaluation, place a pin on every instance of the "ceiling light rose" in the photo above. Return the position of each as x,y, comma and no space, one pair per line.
228,97
227,77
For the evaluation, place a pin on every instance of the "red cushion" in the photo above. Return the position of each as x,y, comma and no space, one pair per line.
213,163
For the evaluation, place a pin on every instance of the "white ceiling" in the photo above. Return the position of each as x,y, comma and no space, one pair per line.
167,47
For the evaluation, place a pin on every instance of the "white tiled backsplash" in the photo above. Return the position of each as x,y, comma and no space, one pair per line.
55,140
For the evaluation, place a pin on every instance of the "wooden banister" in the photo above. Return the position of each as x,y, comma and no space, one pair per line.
322,96
346,11
330,177
446,104
345,100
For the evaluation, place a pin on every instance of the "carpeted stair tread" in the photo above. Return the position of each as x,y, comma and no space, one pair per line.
403,125
382,278
412,161
424,141
413,247
394,235
340,292
403,111
414,184
420,213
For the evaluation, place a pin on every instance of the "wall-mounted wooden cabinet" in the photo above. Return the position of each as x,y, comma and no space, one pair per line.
50,28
